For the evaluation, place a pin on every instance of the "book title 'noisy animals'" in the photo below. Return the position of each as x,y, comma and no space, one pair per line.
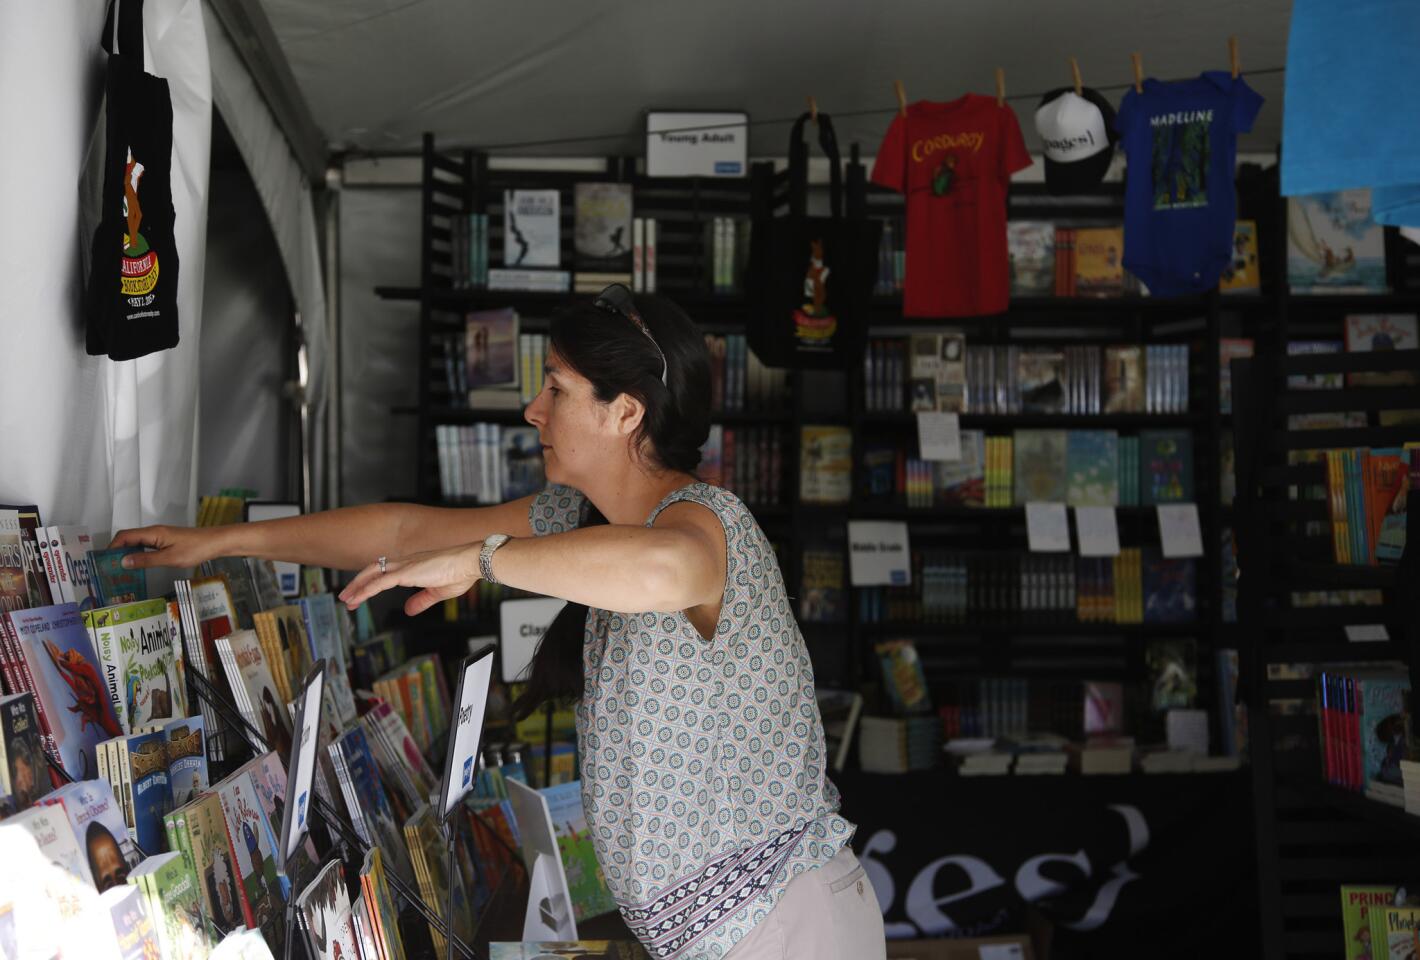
149,640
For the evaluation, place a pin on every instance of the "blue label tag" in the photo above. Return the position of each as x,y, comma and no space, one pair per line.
728,168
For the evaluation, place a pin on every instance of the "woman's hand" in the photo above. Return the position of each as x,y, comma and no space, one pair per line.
169,546
443,574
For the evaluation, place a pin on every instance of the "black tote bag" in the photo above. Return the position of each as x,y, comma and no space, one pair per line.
811,278
131,297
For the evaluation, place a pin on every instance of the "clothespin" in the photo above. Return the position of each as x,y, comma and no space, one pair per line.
1138,72
813,109
1233,56
1075,72
901,98
1000,87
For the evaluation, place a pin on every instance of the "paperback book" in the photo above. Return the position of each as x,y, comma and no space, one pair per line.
140,660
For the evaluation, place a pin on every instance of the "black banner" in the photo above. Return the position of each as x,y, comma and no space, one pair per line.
1113,863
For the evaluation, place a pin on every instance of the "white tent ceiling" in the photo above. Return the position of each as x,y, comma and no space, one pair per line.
376,74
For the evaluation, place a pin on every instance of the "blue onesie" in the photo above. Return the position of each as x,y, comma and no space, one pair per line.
1179,197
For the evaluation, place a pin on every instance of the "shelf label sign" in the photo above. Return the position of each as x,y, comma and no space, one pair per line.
697,144
878,554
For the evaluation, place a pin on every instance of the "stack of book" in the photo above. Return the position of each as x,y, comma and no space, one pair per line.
739,380
492,365
898,744
1113,755
1366,499
986,763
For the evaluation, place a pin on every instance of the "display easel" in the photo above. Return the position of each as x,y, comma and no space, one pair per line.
300,778
461,765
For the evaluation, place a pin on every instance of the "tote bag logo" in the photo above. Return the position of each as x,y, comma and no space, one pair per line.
814,326
139,267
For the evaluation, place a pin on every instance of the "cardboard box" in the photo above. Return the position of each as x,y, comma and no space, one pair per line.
1015,947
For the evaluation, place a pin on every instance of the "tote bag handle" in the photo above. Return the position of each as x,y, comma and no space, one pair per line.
799,165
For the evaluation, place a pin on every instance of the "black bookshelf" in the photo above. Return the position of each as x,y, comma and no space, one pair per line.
1311,836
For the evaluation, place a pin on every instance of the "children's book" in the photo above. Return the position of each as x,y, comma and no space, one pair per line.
903,677
1333,244
1241,275
262,705
73,702
137,648
1124,379
826,464
97,824
324,908
256,865
1380,332
370,805
24,761
214,862
963,482
1092,463
113,584
585,881
1165,466
1099,268
1041,464
174,904
187,758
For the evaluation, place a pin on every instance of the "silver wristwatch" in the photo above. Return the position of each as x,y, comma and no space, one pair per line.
485,556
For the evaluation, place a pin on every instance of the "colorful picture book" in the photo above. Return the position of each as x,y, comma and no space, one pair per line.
601,237
324,911
1242,275
1333,244
141,661
585,881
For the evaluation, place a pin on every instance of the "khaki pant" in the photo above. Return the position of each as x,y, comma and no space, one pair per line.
829,913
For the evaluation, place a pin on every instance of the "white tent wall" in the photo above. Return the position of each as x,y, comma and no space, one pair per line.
379,342
90,441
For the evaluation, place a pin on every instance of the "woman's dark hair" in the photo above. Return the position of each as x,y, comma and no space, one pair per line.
612,353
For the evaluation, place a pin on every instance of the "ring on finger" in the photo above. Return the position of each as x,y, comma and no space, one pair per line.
382,561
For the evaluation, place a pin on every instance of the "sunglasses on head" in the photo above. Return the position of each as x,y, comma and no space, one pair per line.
617,299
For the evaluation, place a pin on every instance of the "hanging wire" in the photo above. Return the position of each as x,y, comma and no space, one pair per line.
869,112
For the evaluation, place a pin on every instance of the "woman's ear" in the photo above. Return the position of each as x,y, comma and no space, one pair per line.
626,414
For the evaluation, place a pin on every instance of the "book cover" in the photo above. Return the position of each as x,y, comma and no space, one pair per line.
31,532
138,654
823,598
1172,668
826,462
147,757
54,834
951,375
1165,466
324,907
1092,465
903,677
268,775
187,758
532,228
1043,383
1314,381
1375,332
112,582
1357,902
1381,703
1170,594
1041,463
585,881
1333,244
1124,379
241,591
1395,932
601,233
14,578
133,927
1099,269
214,862
74,544
372,806
174,904
962,482
256,866
491,348
25,766
73,700
1387,493
1241,275
96,821
1030,252
523,474
267,712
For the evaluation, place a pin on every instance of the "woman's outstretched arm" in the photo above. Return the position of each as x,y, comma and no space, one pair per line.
344,539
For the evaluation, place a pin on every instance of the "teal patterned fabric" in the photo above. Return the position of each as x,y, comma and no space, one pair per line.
702,761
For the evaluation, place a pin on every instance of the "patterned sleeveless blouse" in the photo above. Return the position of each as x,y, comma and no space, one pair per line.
702,761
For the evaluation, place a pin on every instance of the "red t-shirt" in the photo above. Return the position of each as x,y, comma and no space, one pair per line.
956,230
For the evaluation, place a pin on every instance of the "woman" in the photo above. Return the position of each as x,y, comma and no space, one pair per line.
701,746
